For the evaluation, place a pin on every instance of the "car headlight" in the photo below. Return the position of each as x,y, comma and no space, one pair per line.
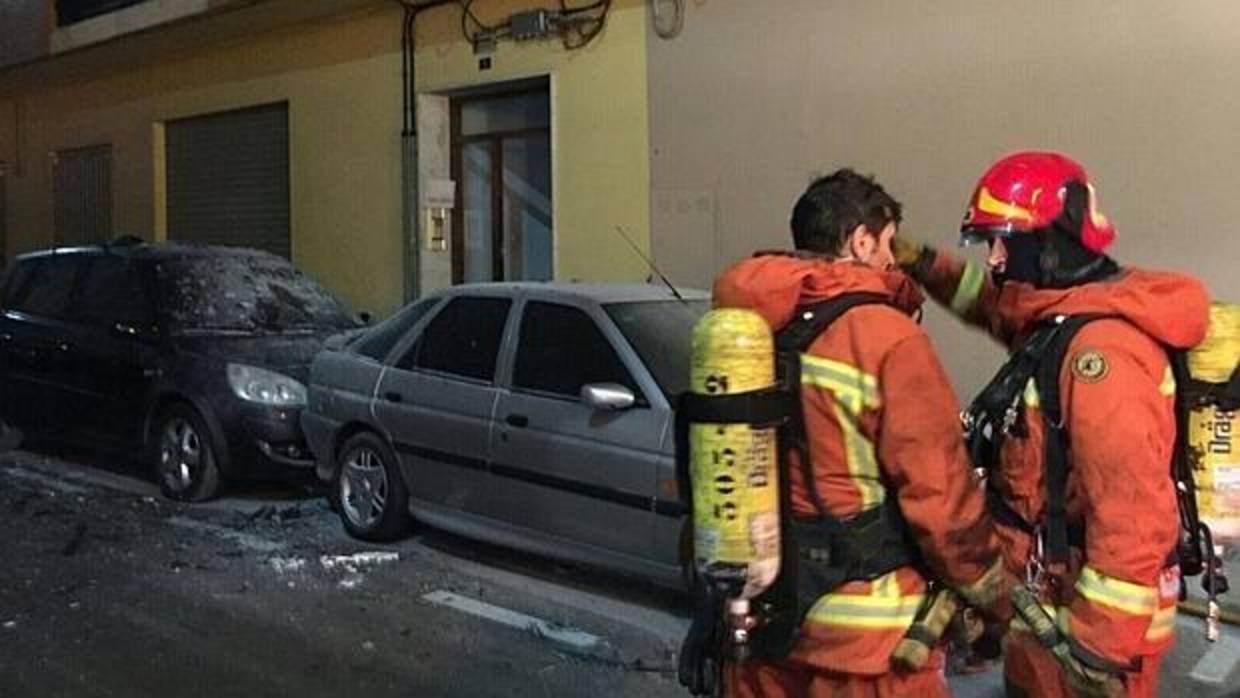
254,384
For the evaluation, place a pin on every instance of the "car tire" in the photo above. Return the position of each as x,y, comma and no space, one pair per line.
185,462
371,492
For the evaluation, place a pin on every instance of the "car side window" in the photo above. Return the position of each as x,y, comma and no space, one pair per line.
462,339
48,288
561,349
377,342
112,293
15,279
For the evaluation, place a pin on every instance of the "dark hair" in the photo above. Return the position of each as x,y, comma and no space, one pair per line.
834,205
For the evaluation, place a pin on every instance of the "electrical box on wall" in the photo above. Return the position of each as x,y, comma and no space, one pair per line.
438,200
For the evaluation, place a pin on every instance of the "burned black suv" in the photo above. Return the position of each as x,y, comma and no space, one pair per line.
195,357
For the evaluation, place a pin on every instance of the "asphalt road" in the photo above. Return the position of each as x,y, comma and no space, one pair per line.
108,590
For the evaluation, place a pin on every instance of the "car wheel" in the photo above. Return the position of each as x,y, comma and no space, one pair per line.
185,461
374,502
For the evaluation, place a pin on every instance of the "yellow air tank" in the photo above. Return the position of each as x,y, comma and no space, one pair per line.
1214,448
734,467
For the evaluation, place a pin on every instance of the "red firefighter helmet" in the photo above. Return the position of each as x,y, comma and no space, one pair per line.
1024,192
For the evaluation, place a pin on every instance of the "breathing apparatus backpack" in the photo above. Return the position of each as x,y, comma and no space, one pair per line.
1205,465
758,569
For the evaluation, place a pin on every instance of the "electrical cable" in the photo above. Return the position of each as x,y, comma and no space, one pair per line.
577,34
467,16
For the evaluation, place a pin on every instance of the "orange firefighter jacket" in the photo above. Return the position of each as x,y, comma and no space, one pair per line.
1117,600
882,422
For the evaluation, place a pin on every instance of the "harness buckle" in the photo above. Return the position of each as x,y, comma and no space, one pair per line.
1035,568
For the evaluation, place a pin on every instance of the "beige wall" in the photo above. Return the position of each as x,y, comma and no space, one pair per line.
749,102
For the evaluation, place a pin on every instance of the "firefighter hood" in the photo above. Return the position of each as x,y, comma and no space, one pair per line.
775,284
1171,308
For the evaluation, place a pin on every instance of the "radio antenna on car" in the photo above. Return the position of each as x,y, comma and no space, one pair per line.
650,263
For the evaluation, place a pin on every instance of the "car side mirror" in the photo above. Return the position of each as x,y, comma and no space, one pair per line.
607,396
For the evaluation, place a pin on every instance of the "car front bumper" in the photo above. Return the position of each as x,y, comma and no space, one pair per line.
264,441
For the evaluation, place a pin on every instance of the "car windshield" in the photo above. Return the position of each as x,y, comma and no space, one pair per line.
247,293
661,332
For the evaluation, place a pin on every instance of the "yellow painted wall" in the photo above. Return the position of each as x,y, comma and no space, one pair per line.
341,80
600,129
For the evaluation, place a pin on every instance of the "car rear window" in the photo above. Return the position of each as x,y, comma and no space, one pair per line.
379,340
247,292
661,332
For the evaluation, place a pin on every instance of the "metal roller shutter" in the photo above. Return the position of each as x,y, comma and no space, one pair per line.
228,181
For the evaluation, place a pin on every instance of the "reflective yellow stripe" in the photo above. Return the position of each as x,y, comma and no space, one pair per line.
847,382
852,391
1167,387
969,288
1031,394
1162,625
1123,596
884,608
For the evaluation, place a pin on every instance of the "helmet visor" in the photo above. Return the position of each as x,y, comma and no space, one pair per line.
980,235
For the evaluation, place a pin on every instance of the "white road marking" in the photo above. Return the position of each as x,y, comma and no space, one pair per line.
668,627
576,639
246,540
1218,662
49,482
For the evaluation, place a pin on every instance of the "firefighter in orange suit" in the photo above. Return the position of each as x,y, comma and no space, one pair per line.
1114,600
882,426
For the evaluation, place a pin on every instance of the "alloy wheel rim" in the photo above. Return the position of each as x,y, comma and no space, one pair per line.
363,487
180,454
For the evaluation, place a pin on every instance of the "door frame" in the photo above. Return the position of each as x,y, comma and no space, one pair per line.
457,142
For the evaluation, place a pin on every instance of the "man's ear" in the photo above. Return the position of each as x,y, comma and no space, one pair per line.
860,243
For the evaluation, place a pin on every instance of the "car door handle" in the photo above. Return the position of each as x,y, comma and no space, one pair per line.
518,420
393,396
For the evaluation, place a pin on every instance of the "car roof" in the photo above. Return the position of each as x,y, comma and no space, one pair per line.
154,251
597,292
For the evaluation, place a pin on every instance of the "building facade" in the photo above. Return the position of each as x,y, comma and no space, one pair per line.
289,126
686,126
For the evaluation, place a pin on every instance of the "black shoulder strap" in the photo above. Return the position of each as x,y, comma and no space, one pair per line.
1056,458
1230,399
810,322
813,320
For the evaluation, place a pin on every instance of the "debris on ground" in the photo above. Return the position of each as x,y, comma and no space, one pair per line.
75,542
352,565
284,565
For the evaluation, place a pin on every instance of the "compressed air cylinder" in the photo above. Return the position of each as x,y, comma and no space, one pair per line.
1212,431
734,467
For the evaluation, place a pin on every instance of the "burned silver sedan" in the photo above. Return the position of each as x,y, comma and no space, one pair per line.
533,415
